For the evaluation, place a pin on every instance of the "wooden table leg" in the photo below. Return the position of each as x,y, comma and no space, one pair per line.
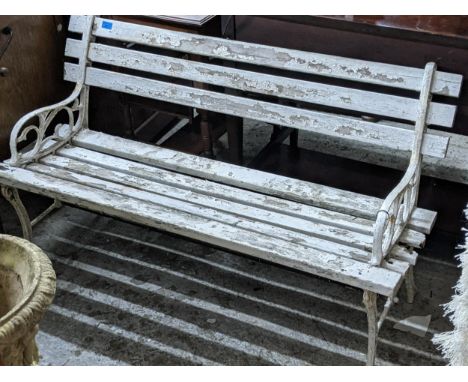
235,132
293,139
206,134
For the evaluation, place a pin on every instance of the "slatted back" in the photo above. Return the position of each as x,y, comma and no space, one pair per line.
317,106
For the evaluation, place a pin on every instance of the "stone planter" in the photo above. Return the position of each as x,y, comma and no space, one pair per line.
27,288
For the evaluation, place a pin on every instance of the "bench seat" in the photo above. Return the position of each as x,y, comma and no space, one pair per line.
359,240
103,173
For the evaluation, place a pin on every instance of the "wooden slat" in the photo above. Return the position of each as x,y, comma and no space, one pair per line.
323,123
217,190
340,241
105,176
250,224
226,193
274,57
300,230
408,256
280,186
335,96
341,269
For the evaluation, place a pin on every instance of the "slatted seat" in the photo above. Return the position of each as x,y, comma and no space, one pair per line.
355,239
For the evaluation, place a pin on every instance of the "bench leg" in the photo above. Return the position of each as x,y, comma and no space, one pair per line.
55,205
370,302
12,195
410,285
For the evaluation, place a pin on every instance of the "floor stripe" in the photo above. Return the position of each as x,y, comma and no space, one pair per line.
437,261
306,292
182,354
248,297
217,309
180,325
58,352
225,268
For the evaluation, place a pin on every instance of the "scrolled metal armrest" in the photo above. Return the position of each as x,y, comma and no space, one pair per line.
396,209
381,224
395,213
62,133
45,144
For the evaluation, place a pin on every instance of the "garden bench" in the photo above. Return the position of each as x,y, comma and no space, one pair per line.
358,240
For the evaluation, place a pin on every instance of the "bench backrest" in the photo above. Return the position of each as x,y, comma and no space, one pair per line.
307,104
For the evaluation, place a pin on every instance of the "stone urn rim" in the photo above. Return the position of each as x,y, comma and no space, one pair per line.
39,288
35,282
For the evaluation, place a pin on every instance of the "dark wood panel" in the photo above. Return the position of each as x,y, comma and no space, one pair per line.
446,30
34,59
376,46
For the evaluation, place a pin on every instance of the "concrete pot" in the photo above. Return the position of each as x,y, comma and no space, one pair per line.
27,288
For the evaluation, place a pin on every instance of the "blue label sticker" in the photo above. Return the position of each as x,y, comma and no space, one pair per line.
106,25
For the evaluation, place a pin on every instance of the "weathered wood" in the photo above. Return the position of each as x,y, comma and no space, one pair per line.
280,186
349,246
305,91
409,255
337,268
215,208
248,198
215,195
105,176
320,122
274,57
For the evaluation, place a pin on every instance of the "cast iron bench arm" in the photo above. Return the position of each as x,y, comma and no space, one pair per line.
398,206
41,120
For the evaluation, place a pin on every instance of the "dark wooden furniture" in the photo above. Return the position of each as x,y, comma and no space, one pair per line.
402,40
31,57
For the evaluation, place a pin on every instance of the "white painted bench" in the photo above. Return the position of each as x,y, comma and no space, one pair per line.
354,239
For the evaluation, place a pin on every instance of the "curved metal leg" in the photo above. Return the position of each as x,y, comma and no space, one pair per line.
12,195
370,302
410,285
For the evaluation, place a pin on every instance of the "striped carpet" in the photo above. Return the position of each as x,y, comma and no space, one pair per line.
127,294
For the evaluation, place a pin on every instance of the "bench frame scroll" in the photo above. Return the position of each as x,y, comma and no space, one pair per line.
398,206
76,102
